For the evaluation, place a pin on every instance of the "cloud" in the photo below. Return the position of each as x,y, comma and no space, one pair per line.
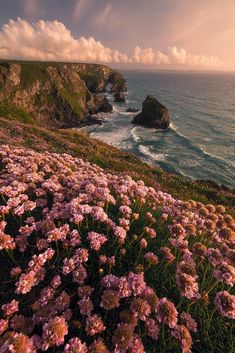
174,57
51,40
79,7
102,16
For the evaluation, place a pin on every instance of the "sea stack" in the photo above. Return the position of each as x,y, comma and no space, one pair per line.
119,97
153,114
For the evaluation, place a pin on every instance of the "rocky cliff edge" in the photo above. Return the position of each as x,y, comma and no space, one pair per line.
55,94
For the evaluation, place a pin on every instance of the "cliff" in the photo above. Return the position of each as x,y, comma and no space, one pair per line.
55,94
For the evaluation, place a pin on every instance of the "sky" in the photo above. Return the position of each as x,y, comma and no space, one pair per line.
164,34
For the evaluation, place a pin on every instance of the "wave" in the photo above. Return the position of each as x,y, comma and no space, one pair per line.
134,134
196,148
155,156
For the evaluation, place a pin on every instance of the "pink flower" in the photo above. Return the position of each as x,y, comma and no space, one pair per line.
103,259
79,274
16,342
140,308
143,243
11,308
3,326
152,329
96,240
75,346
136,345
16,271
225,303
136,283
167,313
225,273
26,282
169,257
151,258
85,306
181,333
85,291
120,233
54,332
187,285
124,288
188,321
110,299
110,281
126,211
151,233
94,325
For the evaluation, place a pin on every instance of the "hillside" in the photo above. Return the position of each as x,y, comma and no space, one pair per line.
102,253
96,262
78,143
55,94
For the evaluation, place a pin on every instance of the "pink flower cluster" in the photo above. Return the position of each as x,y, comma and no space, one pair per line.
98,262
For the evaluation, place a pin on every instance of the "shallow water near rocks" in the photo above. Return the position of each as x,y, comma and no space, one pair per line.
200,142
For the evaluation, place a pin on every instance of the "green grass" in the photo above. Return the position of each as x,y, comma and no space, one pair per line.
15,113
31,73
71,99
91,80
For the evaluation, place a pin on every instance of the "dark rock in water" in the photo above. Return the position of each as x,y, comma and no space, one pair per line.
95,120
132,110
153,114
91,120
119,97
102,105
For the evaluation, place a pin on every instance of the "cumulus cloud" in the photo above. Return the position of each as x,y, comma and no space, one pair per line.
174,57
51,40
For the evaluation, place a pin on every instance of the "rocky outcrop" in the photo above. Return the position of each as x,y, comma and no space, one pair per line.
97,77
101,105
118,83
55,94
132,110
153,114
119,97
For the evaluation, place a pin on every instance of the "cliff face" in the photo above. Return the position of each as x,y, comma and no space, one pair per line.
54,94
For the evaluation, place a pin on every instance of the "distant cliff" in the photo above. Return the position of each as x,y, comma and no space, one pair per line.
55,94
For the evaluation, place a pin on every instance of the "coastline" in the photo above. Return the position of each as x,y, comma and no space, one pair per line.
154,163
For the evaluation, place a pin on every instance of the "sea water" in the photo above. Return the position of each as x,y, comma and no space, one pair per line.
200,142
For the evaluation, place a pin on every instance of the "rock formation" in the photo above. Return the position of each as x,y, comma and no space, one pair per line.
132,110
119,97
55,94
153,114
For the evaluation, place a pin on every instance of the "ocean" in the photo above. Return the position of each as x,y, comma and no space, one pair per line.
200,142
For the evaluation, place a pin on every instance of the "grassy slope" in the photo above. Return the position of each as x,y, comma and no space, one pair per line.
80,144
